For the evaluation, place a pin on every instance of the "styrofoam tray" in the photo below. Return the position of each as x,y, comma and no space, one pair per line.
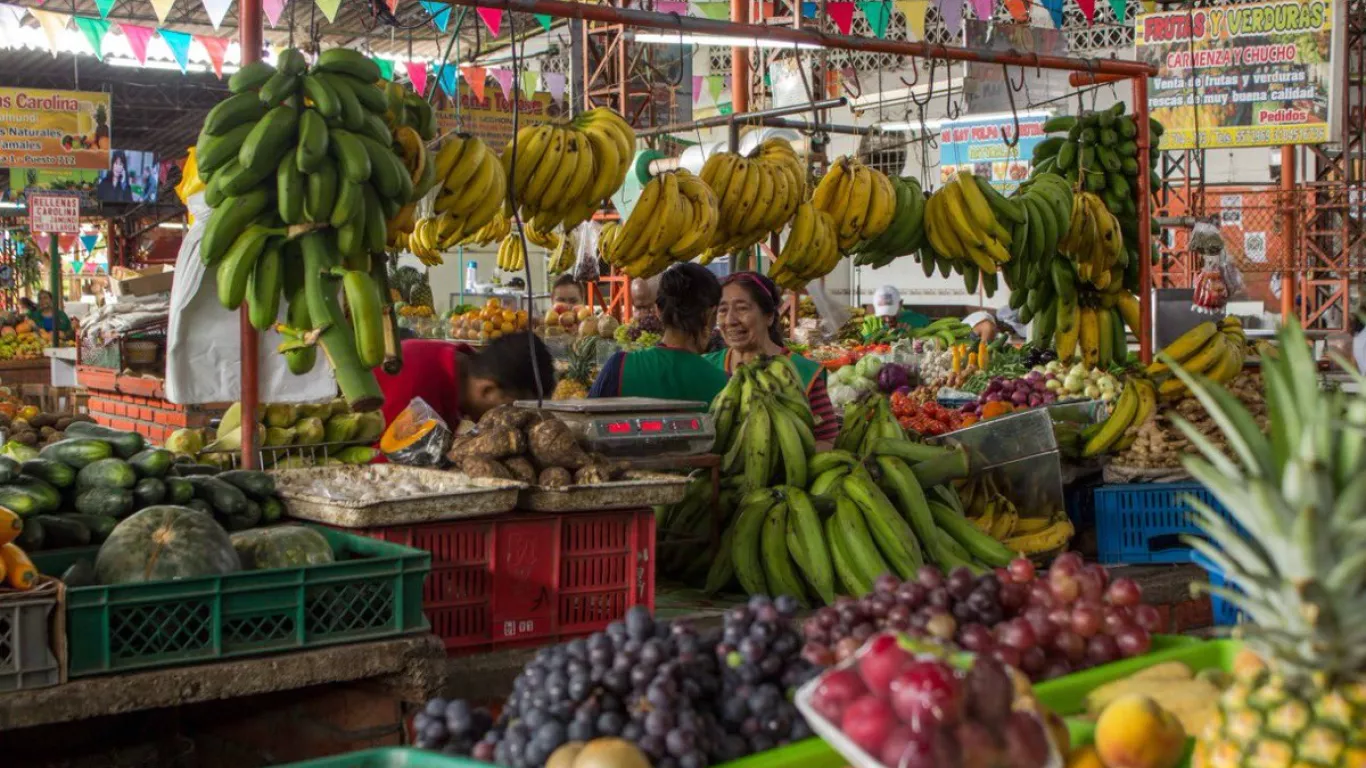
457,496
638,489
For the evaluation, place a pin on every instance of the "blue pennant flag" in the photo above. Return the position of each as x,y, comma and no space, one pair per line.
88,242
179,43
809,10
446,78
1054,10
441,13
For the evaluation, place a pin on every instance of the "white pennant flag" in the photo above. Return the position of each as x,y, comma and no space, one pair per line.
11,20
217,9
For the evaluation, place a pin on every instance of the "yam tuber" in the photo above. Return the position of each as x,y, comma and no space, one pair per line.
553,445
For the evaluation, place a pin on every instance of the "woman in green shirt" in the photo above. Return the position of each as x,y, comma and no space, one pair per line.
48,318
674,369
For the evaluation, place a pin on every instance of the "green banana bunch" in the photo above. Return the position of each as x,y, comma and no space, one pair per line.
866,420
303,175
906,232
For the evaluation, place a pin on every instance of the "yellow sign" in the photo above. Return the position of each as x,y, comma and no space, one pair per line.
491,118
1247,75
54,130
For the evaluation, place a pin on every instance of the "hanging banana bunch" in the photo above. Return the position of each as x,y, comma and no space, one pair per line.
672,221
757,195
564,171
862,201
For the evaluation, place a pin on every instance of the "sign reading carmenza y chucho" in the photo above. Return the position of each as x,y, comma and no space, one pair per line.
1258,72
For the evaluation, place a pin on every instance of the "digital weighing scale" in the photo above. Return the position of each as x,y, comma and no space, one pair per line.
635,426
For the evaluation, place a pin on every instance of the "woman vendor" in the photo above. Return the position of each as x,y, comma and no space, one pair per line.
674,369
749,321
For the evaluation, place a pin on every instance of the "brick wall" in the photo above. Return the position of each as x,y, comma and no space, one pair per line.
138,404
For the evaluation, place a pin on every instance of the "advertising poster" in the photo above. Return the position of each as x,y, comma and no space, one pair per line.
491,119
1259,73
54,130
130,177
980,147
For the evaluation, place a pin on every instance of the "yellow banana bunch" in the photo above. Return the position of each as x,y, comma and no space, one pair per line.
1214,351
611,230
1136,404
993,513
561,256
472,188
672,221
548,240
961,224
862,201
562,172
497,228
1094,242
757,195
412,150
810,251
512,254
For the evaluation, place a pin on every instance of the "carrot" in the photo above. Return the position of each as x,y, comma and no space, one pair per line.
21,574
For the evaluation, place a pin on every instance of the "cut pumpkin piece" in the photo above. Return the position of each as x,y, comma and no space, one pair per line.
11,525
417,436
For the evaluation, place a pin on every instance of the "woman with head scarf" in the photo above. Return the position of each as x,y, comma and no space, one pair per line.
751,326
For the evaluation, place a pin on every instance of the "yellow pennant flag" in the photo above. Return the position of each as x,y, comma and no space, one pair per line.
162,9
53,24
914,11
329,8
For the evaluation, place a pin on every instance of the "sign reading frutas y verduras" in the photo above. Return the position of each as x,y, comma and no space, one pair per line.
55,212
54,130
980,147
1259,73
491,118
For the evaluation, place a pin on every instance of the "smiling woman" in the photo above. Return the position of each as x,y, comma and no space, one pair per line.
749,322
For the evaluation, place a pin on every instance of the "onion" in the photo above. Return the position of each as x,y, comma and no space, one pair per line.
1035,400
1020,397
1033,376
993,386
994,397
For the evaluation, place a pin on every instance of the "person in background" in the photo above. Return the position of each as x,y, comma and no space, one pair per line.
983,325
752,327
1008,320
887,306
47,317
115,187
675,369
460,383
566,291
643,297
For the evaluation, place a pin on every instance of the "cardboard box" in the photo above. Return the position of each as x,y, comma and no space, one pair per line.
144,282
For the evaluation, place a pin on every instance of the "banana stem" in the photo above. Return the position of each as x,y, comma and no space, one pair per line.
393,349
910,450
357,383
938,471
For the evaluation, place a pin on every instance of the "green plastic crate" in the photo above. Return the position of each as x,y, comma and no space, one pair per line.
373,591
1067,695
390,757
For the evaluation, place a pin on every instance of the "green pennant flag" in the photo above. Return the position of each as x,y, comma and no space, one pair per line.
105,6
715,85
386,68
879,12
95,30
725,109
545,19
716,11
530,81
1119,7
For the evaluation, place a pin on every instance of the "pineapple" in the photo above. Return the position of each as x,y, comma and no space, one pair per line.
1297,558
421,293
578,376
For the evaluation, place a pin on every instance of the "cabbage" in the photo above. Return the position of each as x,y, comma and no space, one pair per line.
18,451
863,385
892,377
842,394
868,366
844,375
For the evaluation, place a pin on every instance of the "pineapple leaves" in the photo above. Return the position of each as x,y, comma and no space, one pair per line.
1238,426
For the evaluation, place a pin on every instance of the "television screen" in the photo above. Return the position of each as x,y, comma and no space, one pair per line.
133,177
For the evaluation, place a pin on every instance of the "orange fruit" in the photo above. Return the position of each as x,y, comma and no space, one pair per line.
508,328
494,303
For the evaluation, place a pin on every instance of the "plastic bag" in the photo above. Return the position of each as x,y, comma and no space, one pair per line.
190,183
586,252
1219,279
418,436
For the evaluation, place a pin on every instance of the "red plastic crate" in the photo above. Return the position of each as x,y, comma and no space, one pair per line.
527,580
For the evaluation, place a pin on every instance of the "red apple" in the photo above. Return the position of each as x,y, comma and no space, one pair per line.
836,690
880,662
868,722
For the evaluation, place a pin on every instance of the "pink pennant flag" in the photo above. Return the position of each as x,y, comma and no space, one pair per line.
417,75
504,78
53,24
555,83
1088,9
843,15
215,47
679,7
914,11
44,242
477,77
982,9
137,39
273,9
951,11
697,81
493,19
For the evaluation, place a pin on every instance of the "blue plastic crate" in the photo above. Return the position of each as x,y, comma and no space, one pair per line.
1225,613
1144,522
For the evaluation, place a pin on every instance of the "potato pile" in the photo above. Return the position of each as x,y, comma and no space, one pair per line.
40,429
1160,445
531,447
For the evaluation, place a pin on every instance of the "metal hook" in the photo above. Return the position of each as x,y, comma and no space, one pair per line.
1014,114
930,94
952,109
1010,85
914,68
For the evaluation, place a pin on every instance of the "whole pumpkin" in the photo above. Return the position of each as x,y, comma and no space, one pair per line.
163,543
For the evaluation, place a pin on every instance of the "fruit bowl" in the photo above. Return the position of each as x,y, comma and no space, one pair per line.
906,703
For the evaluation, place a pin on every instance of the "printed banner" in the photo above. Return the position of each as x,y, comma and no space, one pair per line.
54,129
1259,73
979,146
490,118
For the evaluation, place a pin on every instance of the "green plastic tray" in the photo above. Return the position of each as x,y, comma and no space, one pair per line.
390,757
372,591
1067,695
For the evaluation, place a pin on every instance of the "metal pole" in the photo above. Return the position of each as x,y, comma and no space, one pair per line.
738,117
55,282
800,125
249,36
1145,232
739,61
694,25
1288,272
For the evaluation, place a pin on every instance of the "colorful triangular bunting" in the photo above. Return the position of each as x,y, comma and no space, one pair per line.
809,10
179,43
1088,9
716,84
842,13
94,31
504,78
477,77
983,9
52,23
545,20
716,11
679,7
447,78
104,7
1054,11
216,9
1120,9
878,13
88,242
215,47
555,83
530,81
697,81
951,11
273,9
441,13
493,19
386,67
162,9
1019,10
329,8
137,39
417,75
914,11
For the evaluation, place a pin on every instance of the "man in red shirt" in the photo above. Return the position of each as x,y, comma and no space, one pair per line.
460,382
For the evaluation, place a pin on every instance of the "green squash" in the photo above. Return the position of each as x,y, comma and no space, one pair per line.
281,546
163,543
